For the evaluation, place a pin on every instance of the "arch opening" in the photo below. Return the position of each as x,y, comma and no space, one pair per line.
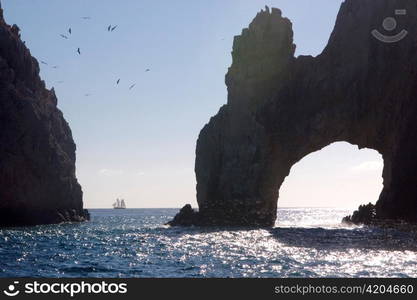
339,177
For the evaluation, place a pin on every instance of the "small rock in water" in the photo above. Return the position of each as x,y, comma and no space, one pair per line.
186,217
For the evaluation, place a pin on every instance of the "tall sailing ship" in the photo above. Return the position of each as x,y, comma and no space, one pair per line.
119,204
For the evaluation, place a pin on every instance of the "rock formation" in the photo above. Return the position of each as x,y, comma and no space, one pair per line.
37,152
281,108
366,214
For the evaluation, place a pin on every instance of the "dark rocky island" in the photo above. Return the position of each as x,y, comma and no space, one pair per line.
281,108
37,152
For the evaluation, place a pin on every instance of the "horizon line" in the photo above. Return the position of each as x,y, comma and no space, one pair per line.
281,207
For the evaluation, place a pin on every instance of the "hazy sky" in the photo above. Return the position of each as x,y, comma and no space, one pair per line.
139,144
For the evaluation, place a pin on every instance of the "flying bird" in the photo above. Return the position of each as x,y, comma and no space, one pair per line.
44,62
55,67
113,28
64,36
118,80
87,95
79,51
86,18
109,28
132,86
147,70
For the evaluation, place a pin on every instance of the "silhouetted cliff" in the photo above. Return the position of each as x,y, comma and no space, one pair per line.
280,108
37,152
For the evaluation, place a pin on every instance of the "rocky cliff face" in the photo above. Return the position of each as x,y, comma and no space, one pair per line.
281,108
37,152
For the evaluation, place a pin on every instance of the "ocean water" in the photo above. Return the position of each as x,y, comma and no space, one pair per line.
306,242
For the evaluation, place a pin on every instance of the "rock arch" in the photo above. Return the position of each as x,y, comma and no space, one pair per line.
337,176
281,108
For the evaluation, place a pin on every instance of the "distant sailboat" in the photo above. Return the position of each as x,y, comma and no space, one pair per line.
119,204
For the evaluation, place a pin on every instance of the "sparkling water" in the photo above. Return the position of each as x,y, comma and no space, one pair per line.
306,242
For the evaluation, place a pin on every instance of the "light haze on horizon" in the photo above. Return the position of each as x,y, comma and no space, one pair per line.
139,144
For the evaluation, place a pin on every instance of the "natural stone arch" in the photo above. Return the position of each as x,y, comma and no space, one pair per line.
338,176
281,108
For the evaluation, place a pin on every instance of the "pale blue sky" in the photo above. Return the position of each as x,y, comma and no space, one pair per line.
139,144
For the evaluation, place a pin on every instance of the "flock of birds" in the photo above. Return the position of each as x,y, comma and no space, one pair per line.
110,28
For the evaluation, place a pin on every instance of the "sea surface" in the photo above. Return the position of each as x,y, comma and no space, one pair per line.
306,242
